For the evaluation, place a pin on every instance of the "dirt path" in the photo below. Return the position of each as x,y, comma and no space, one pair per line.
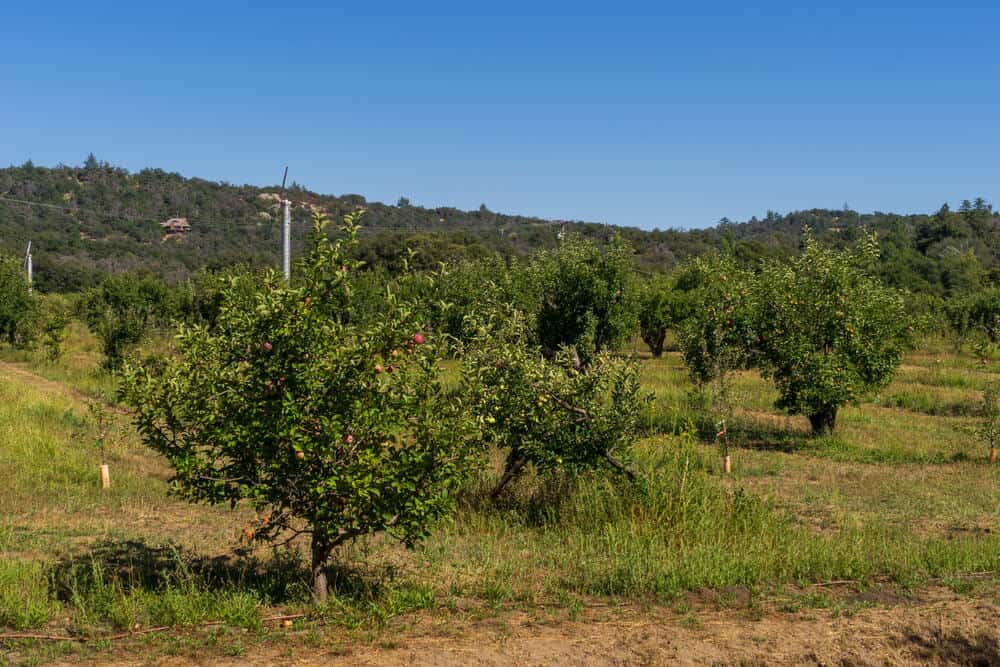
24,374
941,629
18,371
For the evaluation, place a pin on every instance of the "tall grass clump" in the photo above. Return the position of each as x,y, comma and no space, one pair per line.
679,528
24,595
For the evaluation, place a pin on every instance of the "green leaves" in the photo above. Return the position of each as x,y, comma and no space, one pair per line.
584,296
281,403
719,333
829,331
820,325
547,411
121,309
15,304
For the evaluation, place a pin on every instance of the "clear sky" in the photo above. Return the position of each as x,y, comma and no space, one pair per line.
655,115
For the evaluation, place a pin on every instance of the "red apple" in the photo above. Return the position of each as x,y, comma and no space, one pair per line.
300,455
378,368
267,346
348,438
418,339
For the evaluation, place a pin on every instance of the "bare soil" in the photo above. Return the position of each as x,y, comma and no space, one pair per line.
940,628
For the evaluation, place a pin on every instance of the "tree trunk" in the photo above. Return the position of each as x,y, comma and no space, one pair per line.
824,421
513,467
320,558
655,343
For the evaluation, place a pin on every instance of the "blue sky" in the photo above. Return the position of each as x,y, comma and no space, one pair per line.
654,115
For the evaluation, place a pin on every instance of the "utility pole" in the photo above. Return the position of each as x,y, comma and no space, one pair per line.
286,231
286,238
27,264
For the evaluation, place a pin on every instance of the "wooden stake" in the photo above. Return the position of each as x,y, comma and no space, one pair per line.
105,476
727,464
993,454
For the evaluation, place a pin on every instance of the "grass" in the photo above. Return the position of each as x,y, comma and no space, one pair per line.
79,368
901,494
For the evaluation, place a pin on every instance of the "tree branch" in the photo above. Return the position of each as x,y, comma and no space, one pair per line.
619,466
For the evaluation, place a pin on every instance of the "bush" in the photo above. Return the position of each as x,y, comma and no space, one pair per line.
326,427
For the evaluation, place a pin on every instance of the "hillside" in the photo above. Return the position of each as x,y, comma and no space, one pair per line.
90,220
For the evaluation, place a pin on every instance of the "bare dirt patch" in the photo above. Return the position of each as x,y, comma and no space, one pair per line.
939,629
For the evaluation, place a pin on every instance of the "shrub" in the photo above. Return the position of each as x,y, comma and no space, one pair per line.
326,427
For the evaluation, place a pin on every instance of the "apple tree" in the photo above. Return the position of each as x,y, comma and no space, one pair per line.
15,302
546,411
719,332
583,297
829,330
328,427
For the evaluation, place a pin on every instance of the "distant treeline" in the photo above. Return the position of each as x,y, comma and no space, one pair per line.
98,219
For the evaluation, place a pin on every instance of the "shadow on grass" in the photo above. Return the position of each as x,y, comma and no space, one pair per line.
130,565
750,431
791,435
940,648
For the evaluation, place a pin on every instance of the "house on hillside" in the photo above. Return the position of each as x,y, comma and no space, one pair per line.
175,227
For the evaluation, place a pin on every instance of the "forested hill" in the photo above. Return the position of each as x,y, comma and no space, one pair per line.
90,220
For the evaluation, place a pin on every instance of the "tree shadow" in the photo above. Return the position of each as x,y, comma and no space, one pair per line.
769,437
135,565
938,647
532,500
747,430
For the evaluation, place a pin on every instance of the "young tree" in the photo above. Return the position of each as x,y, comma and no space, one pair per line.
829,332
988,429
121,310
53,318
655,316
718,335
547,412
584,296
15,302
326,427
